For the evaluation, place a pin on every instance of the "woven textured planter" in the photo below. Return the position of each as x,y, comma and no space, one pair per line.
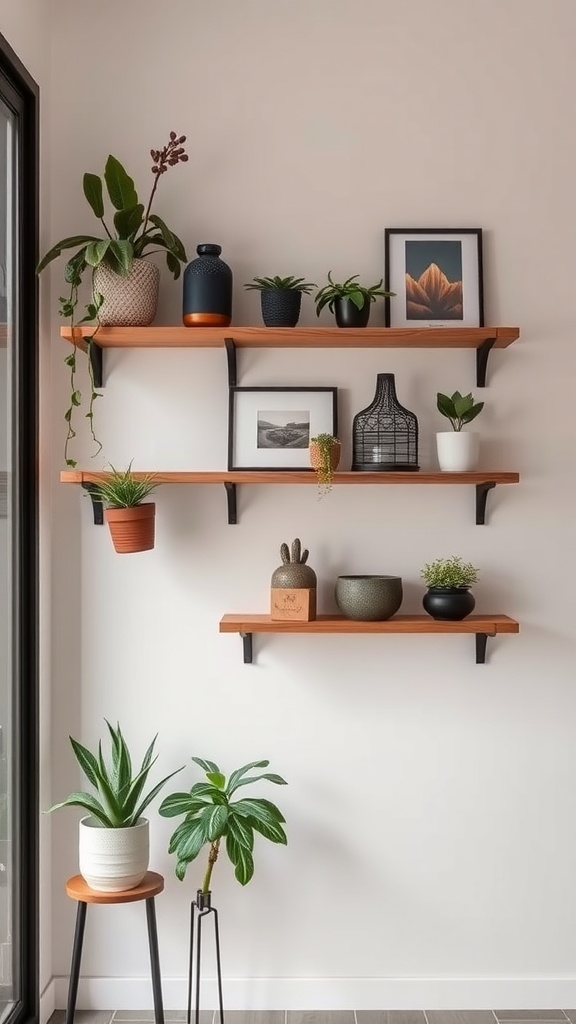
113,859
132,529
129,301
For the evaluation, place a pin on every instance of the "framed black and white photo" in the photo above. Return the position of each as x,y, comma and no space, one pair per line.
436,274
271,427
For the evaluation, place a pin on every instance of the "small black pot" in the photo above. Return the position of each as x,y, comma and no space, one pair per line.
280,306
348,315
451,603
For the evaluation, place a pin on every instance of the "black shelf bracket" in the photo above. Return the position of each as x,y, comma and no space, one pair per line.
247,645
481,496
232,506
232,364
481,640
482,353
95,355
97,504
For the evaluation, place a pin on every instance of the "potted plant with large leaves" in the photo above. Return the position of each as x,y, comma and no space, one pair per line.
350,301
212,817
124,281
458,449
114,847
280,298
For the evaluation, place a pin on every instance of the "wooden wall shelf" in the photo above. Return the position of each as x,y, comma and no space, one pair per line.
481,626
482,339
483,482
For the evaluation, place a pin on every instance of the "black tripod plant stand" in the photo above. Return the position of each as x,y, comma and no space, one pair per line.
200,908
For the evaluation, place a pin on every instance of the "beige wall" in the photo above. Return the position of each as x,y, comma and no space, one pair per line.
430,805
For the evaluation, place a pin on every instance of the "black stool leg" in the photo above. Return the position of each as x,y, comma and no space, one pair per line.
76,960
154,961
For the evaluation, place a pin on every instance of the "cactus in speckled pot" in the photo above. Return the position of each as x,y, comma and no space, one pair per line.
294,574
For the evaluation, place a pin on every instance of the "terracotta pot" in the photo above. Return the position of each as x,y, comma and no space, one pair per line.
316,456
132,529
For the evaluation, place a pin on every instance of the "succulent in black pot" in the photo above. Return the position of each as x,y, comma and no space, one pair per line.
449,580
280,298
350,301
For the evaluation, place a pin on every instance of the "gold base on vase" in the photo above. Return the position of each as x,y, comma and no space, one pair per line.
206,320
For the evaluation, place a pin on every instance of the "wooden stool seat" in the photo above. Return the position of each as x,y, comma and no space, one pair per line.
77,889
151,885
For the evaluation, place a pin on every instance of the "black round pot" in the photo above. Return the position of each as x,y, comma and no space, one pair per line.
449,603
280,306
348,315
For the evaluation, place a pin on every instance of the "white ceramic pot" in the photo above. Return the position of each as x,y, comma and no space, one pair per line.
113,859
458,451
129,301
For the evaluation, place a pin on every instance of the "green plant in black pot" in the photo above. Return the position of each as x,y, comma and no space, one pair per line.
124,282
212,817
350,301
449,581
280,298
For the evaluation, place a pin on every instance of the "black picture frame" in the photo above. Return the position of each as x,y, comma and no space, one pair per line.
421,265
258,416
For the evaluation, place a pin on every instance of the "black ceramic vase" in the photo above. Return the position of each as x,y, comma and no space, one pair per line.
449,603
348,315
207,298
280,306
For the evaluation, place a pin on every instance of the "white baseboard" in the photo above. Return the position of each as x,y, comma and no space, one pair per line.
328,993
48,1001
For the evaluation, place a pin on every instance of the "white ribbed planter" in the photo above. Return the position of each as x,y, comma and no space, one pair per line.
458,451
113,859
129,301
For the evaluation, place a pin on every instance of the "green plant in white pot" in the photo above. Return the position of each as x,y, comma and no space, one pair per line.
114,842
458,450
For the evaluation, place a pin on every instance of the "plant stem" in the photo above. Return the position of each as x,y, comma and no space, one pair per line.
149,207
212,858
105,227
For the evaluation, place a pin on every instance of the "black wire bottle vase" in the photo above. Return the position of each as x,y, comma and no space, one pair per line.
385,434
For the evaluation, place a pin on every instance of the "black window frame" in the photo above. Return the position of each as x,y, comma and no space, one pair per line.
20,92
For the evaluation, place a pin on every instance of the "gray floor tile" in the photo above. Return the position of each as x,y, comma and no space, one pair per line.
83,1017
530,1014
170,1016
251,1016
460,1017
391,1017
320,1017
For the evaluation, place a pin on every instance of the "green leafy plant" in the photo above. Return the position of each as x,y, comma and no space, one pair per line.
295,284
210,816
459,409
349,289
123,489
449,572
325,444
133,233
120,800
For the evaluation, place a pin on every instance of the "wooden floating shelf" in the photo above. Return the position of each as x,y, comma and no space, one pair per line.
293,337
481,626
483,482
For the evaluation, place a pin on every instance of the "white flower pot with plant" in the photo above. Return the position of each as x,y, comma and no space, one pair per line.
114,838
458,450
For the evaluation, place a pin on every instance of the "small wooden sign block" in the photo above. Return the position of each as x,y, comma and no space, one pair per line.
292,605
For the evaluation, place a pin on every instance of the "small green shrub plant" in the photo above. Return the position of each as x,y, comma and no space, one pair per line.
123,489
459,409
349,289
449,573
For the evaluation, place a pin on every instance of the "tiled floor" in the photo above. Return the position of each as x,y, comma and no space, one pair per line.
328,1016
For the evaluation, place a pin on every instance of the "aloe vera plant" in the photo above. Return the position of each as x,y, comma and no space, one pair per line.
211,816
120,800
